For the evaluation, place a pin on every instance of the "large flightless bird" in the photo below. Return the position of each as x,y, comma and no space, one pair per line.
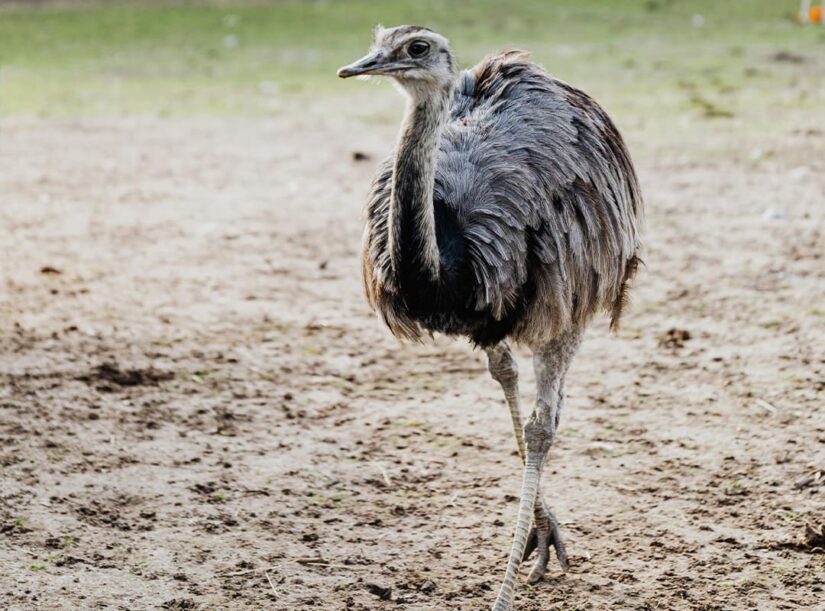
509,211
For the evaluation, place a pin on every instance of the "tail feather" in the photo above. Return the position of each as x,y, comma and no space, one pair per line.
624,293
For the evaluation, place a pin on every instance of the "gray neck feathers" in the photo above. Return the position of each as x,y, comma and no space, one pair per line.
411,213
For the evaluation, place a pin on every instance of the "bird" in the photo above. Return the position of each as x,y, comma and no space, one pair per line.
509,212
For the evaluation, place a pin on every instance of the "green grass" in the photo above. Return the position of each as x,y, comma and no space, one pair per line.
645,56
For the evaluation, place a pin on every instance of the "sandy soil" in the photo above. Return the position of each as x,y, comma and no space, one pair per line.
198,411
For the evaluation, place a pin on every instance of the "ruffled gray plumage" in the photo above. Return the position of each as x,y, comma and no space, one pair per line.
544,193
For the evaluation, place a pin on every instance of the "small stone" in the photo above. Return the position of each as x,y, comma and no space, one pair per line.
774,214
427,586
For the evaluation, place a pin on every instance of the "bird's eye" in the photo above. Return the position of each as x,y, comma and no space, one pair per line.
418,48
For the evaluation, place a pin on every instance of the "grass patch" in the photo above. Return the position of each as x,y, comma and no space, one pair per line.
644,56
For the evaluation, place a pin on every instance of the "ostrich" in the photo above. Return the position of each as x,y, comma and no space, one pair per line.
509,211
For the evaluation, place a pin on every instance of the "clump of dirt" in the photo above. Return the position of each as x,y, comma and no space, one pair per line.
382,592
809,539
674,338
180,604
111,372
813,539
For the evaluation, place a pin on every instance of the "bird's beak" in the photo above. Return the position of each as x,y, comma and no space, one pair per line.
368,64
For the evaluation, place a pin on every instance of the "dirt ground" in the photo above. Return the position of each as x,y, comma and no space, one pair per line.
198,411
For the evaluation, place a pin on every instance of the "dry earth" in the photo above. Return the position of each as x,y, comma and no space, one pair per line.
197,410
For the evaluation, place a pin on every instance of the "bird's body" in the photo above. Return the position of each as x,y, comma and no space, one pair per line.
536,211
509,210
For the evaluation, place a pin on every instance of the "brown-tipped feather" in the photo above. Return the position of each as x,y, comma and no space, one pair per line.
624,295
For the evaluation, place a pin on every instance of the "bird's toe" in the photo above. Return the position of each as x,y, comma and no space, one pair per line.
539,569
532,544
543,541
557,541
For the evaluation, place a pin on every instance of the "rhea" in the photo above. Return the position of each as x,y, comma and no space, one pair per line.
509,211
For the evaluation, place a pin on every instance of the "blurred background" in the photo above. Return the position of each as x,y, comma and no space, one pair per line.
657,59
198,410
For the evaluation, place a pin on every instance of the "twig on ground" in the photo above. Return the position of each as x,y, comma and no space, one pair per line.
246,572
271,585
811,478
384,473
766,406
450,503
319,562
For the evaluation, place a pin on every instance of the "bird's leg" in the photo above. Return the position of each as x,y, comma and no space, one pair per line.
550,361
504,370
545,531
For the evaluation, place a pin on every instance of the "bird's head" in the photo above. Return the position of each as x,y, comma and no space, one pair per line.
418,58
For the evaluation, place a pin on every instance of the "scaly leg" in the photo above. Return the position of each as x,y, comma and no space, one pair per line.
551,362
545,531
504,370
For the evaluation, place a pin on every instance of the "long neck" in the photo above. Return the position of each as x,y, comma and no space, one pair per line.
412,238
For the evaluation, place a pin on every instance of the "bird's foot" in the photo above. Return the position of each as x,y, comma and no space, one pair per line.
541,538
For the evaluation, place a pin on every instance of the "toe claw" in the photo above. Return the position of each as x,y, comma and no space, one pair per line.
561,554
537,572
558,544
532,544
543,542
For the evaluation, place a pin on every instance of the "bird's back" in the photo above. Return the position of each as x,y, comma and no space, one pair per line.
537,205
